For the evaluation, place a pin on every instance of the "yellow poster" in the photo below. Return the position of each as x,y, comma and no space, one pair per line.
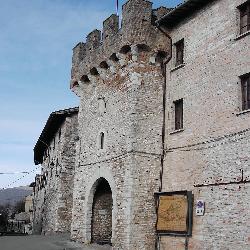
172,213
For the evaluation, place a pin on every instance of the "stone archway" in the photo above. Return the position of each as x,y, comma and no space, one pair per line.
91,187
101,221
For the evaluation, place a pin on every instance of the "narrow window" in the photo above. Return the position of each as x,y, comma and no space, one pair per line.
101,140
178,106
59,136
179,52
57,167
244,17
245,89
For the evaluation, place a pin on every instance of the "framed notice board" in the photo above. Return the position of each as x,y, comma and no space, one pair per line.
174,213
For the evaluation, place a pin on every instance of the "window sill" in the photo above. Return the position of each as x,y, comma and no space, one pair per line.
243,112
176,131
242,35
178,67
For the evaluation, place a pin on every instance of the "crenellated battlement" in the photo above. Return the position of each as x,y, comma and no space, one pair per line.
110,27
103,50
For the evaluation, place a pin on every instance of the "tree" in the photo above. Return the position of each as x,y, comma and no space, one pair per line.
19,207
4,212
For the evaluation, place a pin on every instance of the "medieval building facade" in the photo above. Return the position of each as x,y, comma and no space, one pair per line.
164,109
207,120
55,151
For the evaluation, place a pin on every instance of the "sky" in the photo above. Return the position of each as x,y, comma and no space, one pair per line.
36,41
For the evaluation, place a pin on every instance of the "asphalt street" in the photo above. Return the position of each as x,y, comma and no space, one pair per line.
39,242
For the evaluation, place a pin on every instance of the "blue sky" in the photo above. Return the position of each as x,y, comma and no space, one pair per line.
36,41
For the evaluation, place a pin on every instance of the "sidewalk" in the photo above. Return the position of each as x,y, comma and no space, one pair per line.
40,242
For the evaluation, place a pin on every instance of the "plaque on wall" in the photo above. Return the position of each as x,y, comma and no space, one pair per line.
174,213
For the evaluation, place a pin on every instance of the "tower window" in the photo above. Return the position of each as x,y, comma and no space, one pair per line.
101,140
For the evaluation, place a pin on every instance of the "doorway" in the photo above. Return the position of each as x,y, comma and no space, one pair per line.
101,225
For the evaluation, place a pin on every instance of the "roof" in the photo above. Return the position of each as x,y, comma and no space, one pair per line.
182,11
52,125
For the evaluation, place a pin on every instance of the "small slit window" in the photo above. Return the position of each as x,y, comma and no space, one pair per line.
59,134
101,140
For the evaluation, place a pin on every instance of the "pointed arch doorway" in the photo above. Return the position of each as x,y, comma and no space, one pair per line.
101,222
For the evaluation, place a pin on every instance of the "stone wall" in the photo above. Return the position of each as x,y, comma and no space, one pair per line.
120,86
210,156
103,50
53,195
38,206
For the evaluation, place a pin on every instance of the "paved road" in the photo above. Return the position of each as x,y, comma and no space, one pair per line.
37,242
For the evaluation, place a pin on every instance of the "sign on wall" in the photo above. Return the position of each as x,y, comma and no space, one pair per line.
174,213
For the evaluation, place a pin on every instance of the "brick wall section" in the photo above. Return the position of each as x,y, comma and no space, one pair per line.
54,197
213,148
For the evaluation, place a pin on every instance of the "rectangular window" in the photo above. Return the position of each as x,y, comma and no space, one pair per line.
178,106
245,89
244,17
179,52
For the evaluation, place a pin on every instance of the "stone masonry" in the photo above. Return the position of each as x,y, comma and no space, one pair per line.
53,194
119,82
210,156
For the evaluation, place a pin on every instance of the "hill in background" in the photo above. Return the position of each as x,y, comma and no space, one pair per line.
12,195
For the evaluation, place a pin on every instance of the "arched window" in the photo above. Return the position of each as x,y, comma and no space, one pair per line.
101,140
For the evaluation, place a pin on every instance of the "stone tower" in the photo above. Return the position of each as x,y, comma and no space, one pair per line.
117,74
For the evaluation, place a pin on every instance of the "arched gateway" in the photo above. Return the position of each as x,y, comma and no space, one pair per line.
101,221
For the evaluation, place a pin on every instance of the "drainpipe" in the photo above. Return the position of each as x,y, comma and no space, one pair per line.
163,66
